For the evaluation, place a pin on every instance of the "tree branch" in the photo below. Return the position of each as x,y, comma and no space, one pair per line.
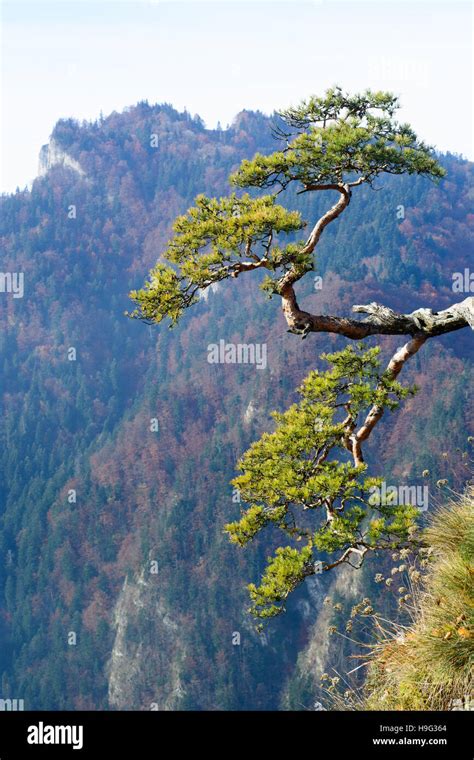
285,284
328,217
381,320
246,266
395,365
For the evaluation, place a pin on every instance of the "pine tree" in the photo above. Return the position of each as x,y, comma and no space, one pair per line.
313,462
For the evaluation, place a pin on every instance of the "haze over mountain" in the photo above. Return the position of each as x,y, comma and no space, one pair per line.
119,589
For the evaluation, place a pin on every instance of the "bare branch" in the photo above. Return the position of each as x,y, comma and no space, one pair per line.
246,266
381,320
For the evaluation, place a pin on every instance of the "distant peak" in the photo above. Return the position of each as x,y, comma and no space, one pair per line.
52,154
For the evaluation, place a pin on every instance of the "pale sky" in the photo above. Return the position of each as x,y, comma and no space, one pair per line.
78,58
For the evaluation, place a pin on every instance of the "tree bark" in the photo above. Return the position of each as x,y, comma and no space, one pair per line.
381,320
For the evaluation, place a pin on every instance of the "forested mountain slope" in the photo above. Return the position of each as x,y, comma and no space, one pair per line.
119,589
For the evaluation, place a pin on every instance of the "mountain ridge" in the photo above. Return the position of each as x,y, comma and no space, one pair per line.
84,425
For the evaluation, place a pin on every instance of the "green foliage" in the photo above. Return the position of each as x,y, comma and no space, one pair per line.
209,243
284,572
162,295
341,138
333,142
300,470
